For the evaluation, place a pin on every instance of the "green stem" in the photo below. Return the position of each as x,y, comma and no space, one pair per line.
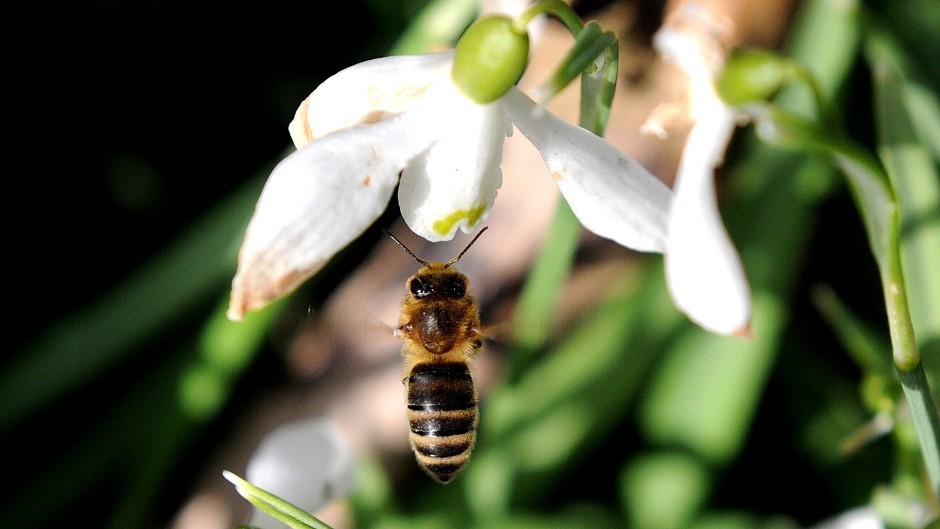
597,92
877,204
904,349
926,421
556,8
907,358
868,183
826,109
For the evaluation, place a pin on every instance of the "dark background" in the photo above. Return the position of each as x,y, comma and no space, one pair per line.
132,119
136,117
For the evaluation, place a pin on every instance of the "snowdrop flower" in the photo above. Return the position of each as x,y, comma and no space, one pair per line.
703,269
402,122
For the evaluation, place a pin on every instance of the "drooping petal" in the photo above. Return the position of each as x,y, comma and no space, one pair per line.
454,183
317,200
610,193
368,92
703,269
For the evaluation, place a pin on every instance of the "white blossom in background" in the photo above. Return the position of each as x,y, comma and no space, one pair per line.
309,463
860,518
703,268
401,121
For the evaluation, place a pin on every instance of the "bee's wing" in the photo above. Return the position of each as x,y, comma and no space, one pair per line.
500,332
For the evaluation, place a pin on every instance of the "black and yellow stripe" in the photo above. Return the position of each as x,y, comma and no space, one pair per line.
442,412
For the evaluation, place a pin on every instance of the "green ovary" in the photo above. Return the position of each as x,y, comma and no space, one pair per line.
446,224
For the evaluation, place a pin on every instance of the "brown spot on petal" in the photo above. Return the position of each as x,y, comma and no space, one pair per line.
288,281
367,181
257,286
744,333
373,117
299,127
558,176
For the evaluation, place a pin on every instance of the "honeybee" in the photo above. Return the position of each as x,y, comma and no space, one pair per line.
440,327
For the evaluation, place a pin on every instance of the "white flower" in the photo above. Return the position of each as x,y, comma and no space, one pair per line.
703,269
401,121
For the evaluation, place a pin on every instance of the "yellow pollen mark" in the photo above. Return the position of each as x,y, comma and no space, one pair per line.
385,102
446,224
374,95
409,92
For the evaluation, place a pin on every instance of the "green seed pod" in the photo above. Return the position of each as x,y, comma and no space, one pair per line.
752,75
490,58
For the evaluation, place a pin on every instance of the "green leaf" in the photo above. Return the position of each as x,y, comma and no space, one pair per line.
866,345
290,514
825,40
923,108
537,428
866,179
664,490
598,86
753,74
589,44
708,389
535,312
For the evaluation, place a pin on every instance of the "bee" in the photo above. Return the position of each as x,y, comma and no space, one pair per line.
440,327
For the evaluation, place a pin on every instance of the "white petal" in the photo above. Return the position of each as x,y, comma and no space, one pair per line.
368,92
610,193
316,201
455,182
703,269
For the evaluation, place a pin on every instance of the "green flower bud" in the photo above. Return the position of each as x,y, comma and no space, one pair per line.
752,75
490,58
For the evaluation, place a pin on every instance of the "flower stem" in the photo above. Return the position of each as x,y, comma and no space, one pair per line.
904,349
597,92
556,8
907,359
926,421
827,113
877,203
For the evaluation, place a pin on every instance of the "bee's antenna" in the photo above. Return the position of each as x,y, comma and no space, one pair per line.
455,259
403,247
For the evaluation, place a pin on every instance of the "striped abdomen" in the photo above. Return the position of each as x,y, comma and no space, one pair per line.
442,412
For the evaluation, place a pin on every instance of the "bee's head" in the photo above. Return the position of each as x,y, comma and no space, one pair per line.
437,279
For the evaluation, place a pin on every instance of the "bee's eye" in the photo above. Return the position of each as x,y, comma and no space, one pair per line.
419,288
454,287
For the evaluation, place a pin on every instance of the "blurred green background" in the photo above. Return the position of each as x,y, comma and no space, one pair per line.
144,131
